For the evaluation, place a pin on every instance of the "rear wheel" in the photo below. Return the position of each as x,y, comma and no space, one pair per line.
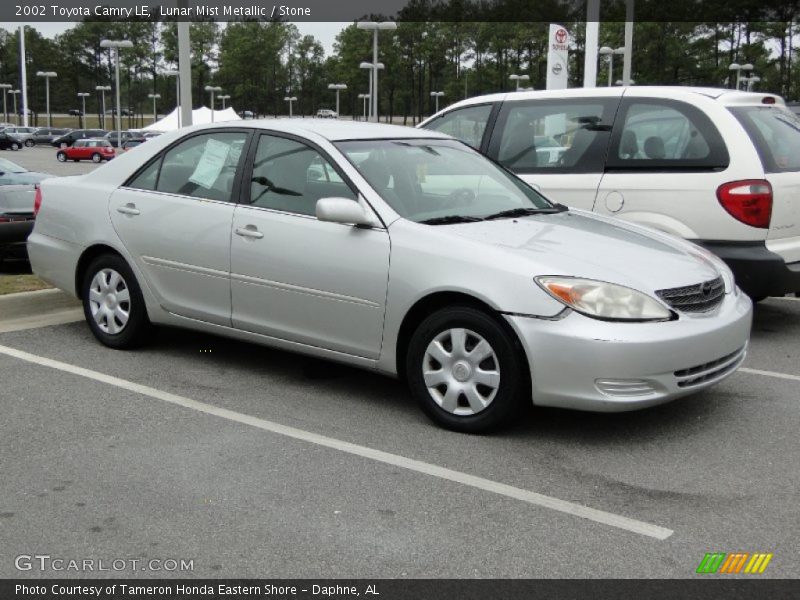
14,146
466,370
113,304
96,158
29,143
62,157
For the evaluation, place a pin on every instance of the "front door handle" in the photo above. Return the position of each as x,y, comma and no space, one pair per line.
249,232
128,209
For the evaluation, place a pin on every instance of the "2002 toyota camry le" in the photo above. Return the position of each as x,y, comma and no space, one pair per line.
393,249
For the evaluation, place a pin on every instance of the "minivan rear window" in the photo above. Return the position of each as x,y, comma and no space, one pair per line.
775,132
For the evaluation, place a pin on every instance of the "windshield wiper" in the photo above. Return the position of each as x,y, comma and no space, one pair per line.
450,219
521,212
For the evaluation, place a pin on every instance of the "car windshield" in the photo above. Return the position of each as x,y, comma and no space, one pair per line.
440,181
6,166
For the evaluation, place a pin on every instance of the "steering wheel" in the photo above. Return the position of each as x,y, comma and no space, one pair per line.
460,197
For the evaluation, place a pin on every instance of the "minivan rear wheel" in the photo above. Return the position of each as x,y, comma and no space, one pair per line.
113,303
466,370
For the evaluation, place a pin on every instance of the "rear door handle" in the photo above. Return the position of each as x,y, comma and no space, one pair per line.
128,209
249,232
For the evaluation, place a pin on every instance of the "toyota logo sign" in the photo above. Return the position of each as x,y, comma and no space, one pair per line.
561,36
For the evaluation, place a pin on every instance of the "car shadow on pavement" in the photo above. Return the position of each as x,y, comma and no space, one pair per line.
15,267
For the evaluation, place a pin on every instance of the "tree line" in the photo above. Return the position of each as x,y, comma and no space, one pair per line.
258,63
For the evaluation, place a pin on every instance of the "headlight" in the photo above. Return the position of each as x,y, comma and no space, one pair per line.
604,300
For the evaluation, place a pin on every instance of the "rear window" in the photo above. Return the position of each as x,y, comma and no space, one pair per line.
775,132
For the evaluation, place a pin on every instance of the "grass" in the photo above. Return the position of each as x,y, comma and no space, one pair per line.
10,284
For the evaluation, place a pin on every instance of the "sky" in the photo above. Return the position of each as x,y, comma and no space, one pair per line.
324,32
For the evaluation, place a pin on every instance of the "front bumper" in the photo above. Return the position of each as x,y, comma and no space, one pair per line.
582,363
758,271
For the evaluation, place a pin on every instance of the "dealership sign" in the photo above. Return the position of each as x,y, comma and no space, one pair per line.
557,57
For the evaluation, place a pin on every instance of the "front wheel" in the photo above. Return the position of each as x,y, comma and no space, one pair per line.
62,157
466,370
113,304
29,143
14,146
96,158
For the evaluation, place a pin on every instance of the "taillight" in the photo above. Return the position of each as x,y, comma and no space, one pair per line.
748,201
37,201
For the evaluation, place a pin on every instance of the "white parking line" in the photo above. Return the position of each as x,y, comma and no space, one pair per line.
578,510
774,374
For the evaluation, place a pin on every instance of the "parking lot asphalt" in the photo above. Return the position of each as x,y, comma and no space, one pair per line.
43,159
179,450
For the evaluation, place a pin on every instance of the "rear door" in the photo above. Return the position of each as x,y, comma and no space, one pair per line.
557,145
775,132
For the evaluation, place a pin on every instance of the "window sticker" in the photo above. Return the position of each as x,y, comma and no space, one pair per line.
210,164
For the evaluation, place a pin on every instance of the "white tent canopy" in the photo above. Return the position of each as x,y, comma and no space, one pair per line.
200,116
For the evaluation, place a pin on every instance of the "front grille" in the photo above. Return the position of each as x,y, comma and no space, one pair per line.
701,297
710,371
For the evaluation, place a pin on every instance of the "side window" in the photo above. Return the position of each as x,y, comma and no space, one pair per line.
291,176
203,166
563,136
146,179
666,134
465,124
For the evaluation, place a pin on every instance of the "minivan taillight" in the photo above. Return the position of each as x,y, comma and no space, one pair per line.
748,201
37,200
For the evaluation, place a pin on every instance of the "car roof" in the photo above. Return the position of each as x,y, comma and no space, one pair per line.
332,130
724,95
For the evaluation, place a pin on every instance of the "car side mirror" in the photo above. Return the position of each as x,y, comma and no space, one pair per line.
342,210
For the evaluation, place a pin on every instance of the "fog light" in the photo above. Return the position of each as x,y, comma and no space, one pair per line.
625,388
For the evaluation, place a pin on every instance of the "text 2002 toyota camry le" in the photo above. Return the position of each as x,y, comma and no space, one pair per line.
392,249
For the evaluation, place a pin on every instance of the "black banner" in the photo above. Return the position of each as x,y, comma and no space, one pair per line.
383,589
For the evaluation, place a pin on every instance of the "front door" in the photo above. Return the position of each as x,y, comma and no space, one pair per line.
294,277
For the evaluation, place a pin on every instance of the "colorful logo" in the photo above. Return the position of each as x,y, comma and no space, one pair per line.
734,562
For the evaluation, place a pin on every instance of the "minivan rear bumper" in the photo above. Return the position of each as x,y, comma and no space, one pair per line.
758,271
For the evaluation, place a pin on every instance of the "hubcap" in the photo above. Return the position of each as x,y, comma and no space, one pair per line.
109,301
461,371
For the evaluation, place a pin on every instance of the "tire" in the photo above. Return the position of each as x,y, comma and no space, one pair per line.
96,158
76,160
30,143
14,146
494,383
62,157
102,290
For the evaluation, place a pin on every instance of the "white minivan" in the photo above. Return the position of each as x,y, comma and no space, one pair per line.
715,166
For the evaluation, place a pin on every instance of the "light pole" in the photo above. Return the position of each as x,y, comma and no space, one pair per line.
5,87
338,87
155,112
177,76
290,100
375,27
103,89
82,96
116,45
437,95
15,93
621,82
223,98
47,75
369,65
749,81
211,89
518,78
364,97
610,52
739,68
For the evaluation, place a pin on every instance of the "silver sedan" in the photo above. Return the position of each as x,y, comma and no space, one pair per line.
392,249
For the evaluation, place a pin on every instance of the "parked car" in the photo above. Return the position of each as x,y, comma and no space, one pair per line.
327,113
75,112
414,256
17,188
9,141
132,142
124,112
114,136
68,139
46,135
96,150
247,114
151,134
718,167
24,134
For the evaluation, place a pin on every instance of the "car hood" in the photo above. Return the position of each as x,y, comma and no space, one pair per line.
583,245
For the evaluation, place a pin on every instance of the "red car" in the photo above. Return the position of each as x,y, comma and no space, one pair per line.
92,149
